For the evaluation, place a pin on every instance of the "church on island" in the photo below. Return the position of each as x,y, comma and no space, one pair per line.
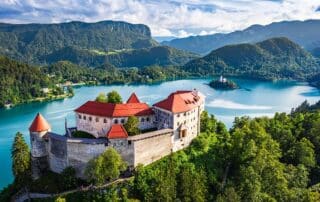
167,126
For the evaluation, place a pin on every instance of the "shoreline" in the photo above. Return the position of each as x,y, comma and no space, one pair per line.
89,83
40,99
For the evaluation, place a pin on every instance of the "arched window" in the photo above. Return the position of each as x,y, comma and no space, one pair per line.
122,120
104,120
116,121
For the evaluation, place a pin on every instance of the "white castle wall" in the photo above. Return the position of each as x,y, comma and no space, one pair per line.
99,126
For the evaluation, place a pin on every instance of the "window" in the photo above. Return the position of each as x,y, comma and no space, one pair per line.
97,119
185,114
142,119
116,121
79,116
104,120
90,118
178,123
148,119
122,120
129,142
178,115
84,117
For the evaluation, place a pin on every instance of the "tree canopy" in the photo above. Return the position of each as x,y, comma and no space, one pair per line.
102,98
21,159
114,97
132,126
105,167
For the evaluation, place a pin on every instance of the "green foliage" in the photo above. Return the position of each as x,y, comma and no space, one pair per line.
38,43
82,134
259,159
20,82
132,126
275,58
114,97
60,199
159,55
102,98
21,160
105,167
68,178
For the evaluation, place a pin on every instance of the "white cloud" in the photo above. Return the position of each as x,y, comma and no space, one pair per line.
165,18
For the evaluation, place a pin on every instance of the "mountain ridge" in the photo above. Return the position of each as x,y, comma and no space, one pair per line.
297,31
275,58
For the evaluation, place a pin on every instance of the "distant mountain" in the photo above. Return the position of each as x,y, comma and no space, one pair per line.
33,42
163,38
276,58
158,55
305,33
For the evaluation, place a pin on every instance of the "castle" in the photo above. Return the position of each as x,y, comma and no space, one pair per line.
174,122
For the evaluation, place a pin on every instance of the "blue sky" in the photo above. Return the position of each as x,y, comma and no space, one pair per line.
176,18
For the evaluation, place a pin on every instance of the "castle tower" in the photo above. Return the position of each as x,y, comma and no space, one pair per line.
39,153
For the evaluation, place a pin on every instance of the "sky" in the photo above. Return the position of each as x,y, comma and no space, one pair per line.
175,18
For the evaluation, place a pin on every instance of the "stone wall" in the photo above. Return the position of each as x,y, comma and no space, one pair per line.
75,152
57,153
124,148
38,144
80,152
149,147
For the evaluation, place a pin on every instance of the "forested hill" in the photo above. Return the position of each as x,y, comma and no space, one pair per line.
276,58
305,33
32,42
20,82
158,55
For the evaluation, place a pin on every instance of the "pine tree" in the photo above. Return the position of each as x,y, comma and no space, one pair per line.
21,159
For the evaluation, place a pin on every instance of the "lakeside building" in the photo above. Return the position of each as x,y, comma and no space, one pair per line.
174,122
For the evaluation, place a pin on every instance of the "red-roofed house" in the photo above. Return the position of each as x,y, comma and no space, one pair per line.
180,111
97,118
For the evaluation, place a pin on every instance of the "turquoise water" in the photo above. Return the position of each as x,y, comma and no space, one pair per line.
254,99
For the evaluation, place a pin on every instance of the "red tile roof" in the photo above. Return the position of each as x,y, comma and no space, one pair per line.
179,101
133,99
115,110
117,131
39,124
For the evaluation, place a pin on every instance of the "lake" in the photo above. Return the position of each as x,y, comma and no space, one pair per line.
255,98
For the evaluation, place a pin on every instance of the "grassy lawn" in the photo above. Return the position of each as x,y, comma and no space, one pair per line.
82,134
